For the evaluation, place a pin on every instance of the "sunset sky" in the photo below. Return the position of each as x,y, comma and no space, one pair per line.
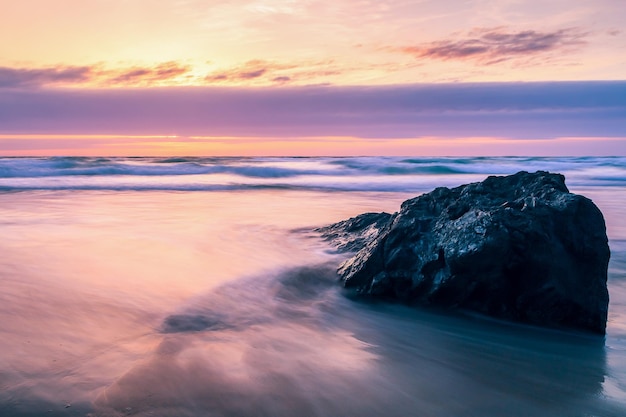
313,77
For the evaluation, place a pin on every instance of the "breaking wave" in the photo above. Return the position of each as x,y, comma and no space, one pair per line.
340,174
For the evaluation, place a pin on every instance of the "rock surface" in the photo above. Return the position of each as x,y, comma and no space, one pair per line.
519,247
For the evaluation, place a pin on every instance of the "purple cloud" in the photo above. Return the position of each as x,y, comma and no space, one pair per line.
490,46
281,80
27,77
521,110
253,74
94,74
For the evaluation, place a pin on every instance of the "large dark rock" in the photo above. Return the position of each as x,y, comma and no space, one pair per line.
520,247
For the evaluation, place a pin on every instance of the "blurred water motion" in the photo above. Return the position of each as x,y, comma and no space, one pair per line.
164,303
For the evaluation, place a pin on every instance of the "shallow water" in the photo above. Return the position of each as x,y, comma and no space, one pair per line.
223,303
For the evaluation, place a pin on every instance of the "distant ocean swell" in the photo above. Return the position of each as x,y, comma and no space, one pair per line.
321,173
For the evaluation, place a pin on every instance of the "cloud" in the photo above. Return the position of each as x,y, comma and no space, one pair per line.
281,79
251,70
519,110
253,74
258,72
494,45
26,77
269,72
148,75
91,74
172,73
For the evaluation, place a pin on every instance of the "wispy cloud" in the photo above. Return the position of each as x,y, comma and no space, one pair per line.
27,77
494,45
148,75
270,72
11,77
255,70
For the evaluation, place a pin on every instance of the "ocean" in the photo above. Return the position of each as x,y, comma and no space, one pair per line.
198,287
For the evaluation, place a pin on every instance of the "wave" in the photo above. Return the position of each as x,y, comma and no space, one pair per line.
398,174
81,166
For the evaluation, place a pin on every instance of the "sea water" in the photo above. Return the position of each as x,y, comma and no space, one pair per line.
197,287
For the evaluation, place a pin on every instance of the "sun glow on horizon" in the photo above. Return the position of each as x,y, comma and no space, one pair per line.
252,77
173,145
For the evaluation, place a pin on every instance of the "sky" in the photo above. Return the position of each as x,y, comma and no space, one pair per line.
313,77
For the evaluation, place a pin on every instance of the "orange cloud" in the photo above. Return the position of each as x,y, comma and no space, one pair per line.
170,73
149,75
251,70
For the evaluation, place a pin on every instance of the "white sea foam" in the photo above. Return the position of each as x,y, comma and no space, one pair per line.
342,174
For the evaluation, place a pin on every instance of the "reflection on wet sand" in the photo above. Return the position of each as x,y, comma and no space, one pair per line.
293,345
274,352
183,304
